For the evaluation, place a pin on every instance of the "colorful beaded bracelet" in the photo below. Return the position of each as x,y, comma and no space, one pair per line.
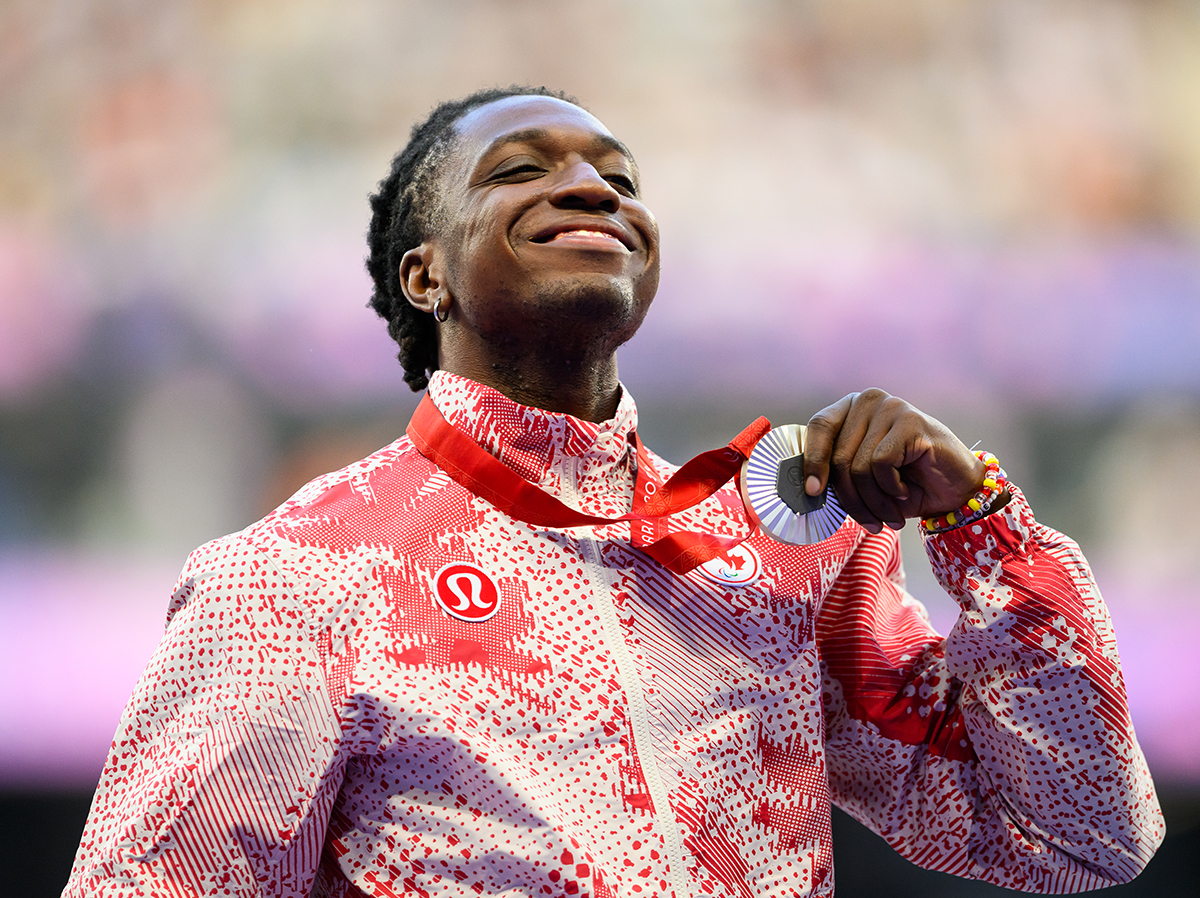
994,482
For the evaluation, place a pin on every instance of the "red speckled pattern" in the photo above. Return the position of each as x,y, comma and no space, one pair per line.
316,721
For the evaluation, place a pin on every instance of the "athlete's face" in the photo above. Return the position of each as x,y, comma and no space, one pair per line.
541,224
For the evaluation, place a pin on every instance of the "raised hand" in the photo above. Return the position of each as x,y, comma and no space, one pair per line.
887,461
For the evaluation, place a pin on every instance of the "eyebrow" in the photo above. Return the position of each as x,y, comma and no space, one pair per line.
532,135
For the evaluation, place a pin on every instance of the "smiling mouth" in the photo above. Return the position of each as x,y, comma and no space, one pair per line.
585,237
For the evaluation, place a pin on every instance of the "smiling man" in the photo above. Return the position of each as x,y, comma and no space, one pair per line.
539,282
515,653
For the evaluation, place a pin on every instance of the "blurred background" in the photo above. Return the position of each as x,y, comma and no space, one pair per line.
989,208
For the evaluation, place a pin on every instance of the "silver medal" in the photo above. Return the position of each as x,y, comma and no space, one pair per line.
772,484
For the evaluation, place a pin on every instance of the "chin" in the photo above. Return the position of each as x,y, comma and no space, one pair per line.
606,311
586,297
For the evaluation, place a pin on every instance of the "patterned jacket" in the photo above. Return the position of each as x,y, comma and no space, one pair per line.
389,687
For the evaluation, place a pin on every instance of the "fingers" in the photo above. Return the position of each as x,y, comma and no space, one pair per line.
855,462
858,446
875,474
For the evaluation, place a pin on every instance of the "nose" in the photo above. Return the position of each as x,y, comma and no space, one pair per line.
581,187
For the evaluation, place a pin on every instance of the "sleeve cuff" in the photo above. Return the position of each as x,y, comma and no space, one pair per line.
961,557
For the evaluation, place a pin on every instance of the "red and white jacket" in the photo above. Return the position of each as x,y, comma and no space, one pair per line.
388,687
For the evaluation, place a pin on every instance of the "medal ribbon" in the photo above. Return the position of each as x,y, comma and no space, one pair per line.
472,466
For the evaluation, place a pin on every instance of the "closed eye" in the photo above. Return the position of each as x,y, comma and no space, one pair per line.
523,172
624,182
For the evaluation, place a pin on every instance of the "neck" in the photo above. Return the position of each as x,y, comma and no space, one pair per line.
584,388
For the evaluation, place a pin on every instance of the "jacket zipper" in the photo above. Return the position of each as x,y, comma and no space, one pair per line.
635,696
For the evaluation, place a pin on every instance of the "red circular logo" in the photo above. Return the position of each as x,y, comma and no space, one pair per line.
466,592
742,566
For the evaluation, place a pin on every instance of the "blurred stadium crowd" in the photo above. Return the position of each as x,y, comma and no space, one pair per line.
990,208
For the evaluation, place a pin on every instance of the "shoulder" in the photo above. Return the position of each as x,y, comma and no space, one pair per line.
388,461
226,580
273,552
351,497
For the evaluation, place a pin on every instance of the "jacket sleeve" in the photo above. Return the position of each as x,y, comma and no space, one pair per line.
225,765
1003,752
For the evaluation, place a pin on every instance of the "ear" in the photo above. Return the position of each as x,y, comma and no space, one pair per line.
421,277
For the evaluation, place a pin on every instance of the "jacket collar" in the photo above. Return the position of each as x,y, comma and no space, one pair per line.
597,460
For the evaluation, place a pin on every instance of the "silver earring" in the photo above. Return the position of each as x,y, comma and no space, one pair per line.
437,311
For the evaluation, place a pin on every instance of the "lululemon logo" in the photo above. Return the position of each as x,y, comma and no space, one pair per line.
466,592
741,567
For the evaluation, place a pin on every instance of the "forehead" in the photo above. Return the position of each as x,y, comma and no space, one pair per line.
485,126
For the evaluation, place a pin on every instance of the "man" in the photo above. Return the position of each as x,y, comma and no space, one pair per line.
455,668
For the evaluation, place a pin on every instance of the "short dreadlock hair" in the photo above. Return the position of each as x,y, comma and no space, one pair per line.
402,217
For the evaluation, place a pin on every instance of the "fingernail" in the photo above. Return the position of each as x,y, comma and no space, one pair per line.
896,526
812,486
873,528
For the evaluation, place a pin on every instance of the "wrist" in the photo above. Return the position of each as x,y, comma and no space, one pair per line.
1001,500
992,495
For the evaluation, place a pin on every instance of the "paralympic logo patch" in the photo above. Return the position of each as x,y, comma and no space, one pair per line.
739,569
465,592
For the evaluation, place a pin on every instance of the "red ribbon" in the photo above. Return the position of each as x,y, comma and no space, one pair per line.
468,463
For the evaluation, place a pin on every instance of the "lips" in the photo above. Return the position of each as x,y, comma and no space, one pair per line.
590,233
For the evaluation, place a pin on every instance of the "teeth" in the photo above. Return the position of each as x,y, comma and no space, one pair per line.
584,232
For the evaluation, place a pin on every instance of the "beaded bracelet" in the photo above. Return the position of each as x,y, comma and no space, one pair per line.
994,482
